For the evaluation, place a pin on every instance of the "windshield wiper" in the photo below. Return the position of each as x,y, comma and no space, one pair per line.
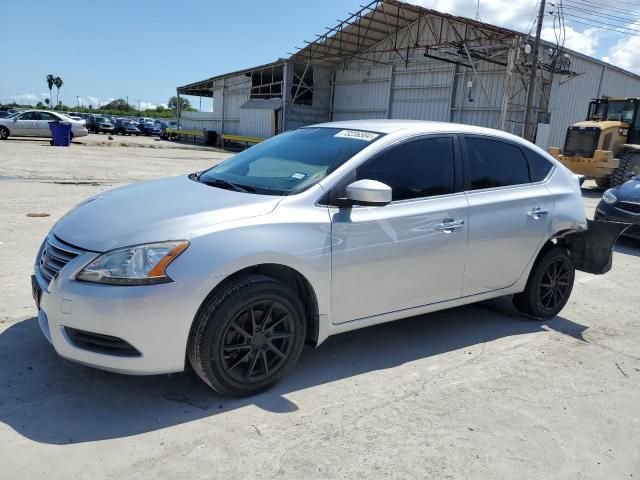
219,182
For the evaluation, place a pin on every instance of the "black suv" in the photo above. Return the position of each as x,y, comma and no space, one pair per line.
97,124
126,127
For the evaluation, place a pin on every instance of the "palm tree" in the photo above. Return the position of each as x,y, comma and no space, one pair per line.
57,81
50,83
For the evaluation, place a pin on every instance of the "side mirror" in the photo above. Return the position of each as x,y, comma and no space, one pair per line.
369,192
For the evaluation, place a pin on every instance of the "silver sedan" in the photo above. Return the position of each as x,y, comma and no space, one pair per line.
35,123
314,232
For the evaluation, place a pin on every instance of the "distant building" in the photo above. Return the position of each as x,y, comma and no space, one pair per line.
397,60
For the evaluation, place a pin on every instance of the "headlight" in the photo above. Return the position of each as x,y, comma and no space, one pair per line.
137,265
608,197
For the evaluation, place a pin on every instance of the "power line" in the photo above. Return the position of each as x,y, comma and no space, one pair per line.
605,28
592,4
600,22
618,1
598,14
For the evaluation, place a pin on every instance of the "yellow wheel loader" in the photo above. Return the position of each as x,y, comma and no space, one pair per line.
605,147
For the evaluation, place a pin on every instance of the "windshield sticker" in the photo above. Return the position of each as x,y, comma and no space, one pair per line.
357,134
298,175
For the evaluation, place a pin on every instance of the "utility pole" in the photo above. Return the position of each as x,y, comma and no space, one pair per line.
528,131
127,101
78,100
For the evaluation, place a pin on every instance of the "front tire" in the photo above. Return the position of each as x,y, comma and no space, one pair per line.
247,336
629,163
549,285
4,133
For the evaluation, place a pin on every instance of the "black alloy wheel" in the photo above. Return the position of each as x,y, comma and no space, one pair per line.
555,286
549,285
247,335
258,341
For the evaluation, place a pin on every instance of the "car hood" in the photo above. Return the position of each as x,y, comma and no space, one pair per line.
152,211
629,191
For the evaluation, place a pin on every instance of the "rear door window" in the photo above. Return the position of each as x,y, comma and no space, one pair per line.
495,163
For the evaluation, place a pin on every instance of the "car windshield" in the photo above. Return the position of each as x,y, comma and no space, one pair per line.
291,162
14,114
620,111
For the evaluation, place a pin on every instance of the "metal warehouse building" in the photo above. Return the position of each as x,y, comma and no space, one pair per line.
397,60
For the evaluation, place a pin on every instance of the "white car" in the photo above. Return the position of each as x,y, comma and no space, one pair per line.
311,233
35,123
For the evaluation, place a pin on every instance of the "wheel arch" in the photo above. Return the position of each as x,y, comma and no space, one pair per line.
288,276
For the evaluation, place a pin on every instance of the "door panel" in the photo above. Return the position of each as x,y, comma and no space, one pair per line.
43,124
26,125
396,257
504,234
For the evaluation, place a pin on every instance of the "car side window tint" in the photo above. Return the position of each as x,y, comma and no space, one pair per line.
494,163
415,169
538,165
46,116
29,116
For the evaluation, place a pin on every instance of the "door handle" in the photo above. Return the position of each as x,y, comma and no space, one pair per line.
537,212
449,225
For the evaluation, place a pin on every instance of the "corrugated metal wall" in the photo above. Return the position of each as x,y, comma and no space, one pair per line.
418,87
570,98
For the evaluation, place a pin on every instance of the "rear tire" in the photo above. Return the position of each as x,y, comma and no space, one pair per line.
548,287
629,163
247,336
4,133
603,182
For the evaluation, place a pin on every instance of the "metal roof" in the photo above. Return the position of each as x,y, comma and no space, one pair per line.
380,20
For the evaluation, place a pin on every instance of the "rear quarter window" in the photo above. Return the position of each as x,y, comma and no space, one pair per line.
539,166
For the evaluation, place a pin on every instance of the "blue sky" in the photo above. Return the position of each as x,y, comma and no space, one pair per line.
143,49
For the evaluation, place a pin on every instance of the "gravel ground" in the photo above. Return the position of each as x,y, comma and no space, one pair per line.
473,392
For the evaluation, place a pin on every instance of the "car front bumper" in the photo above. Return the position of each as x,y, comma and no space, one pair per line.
154,319
610,213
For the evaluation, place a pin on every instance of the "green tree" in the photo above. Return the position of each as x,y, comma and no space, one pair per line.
47,101
119,104
160,108
39,105
185,104
50,83
57,81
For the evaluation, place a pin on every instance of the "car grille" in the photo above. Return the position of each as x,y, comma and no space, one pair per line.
629,207
54,256
581,141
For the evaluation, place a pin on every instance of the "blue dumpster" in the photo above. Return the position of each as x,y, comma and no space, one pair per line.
60,133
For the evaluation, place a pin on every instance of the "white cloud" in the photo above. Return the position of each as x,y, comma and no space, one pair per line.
25,98
584,42
625,52
151,105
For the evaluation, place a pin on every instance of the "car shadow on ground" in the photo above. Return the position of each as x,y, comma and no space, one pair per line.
627,246
592,192
48,399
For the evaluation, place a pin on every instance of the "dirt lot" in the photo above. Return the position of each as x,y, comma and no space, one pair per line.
474,392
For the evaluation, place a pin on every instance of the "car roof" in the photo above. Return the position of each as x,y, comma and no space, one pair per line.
416,126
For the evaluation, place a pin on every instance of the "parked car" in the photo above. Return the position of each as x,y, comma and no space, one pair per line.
126,127
314,232
150,128
99,124
35,123
622,204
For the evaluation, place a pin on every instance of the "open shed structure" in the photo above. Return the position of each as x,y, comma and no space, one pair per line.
397,60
